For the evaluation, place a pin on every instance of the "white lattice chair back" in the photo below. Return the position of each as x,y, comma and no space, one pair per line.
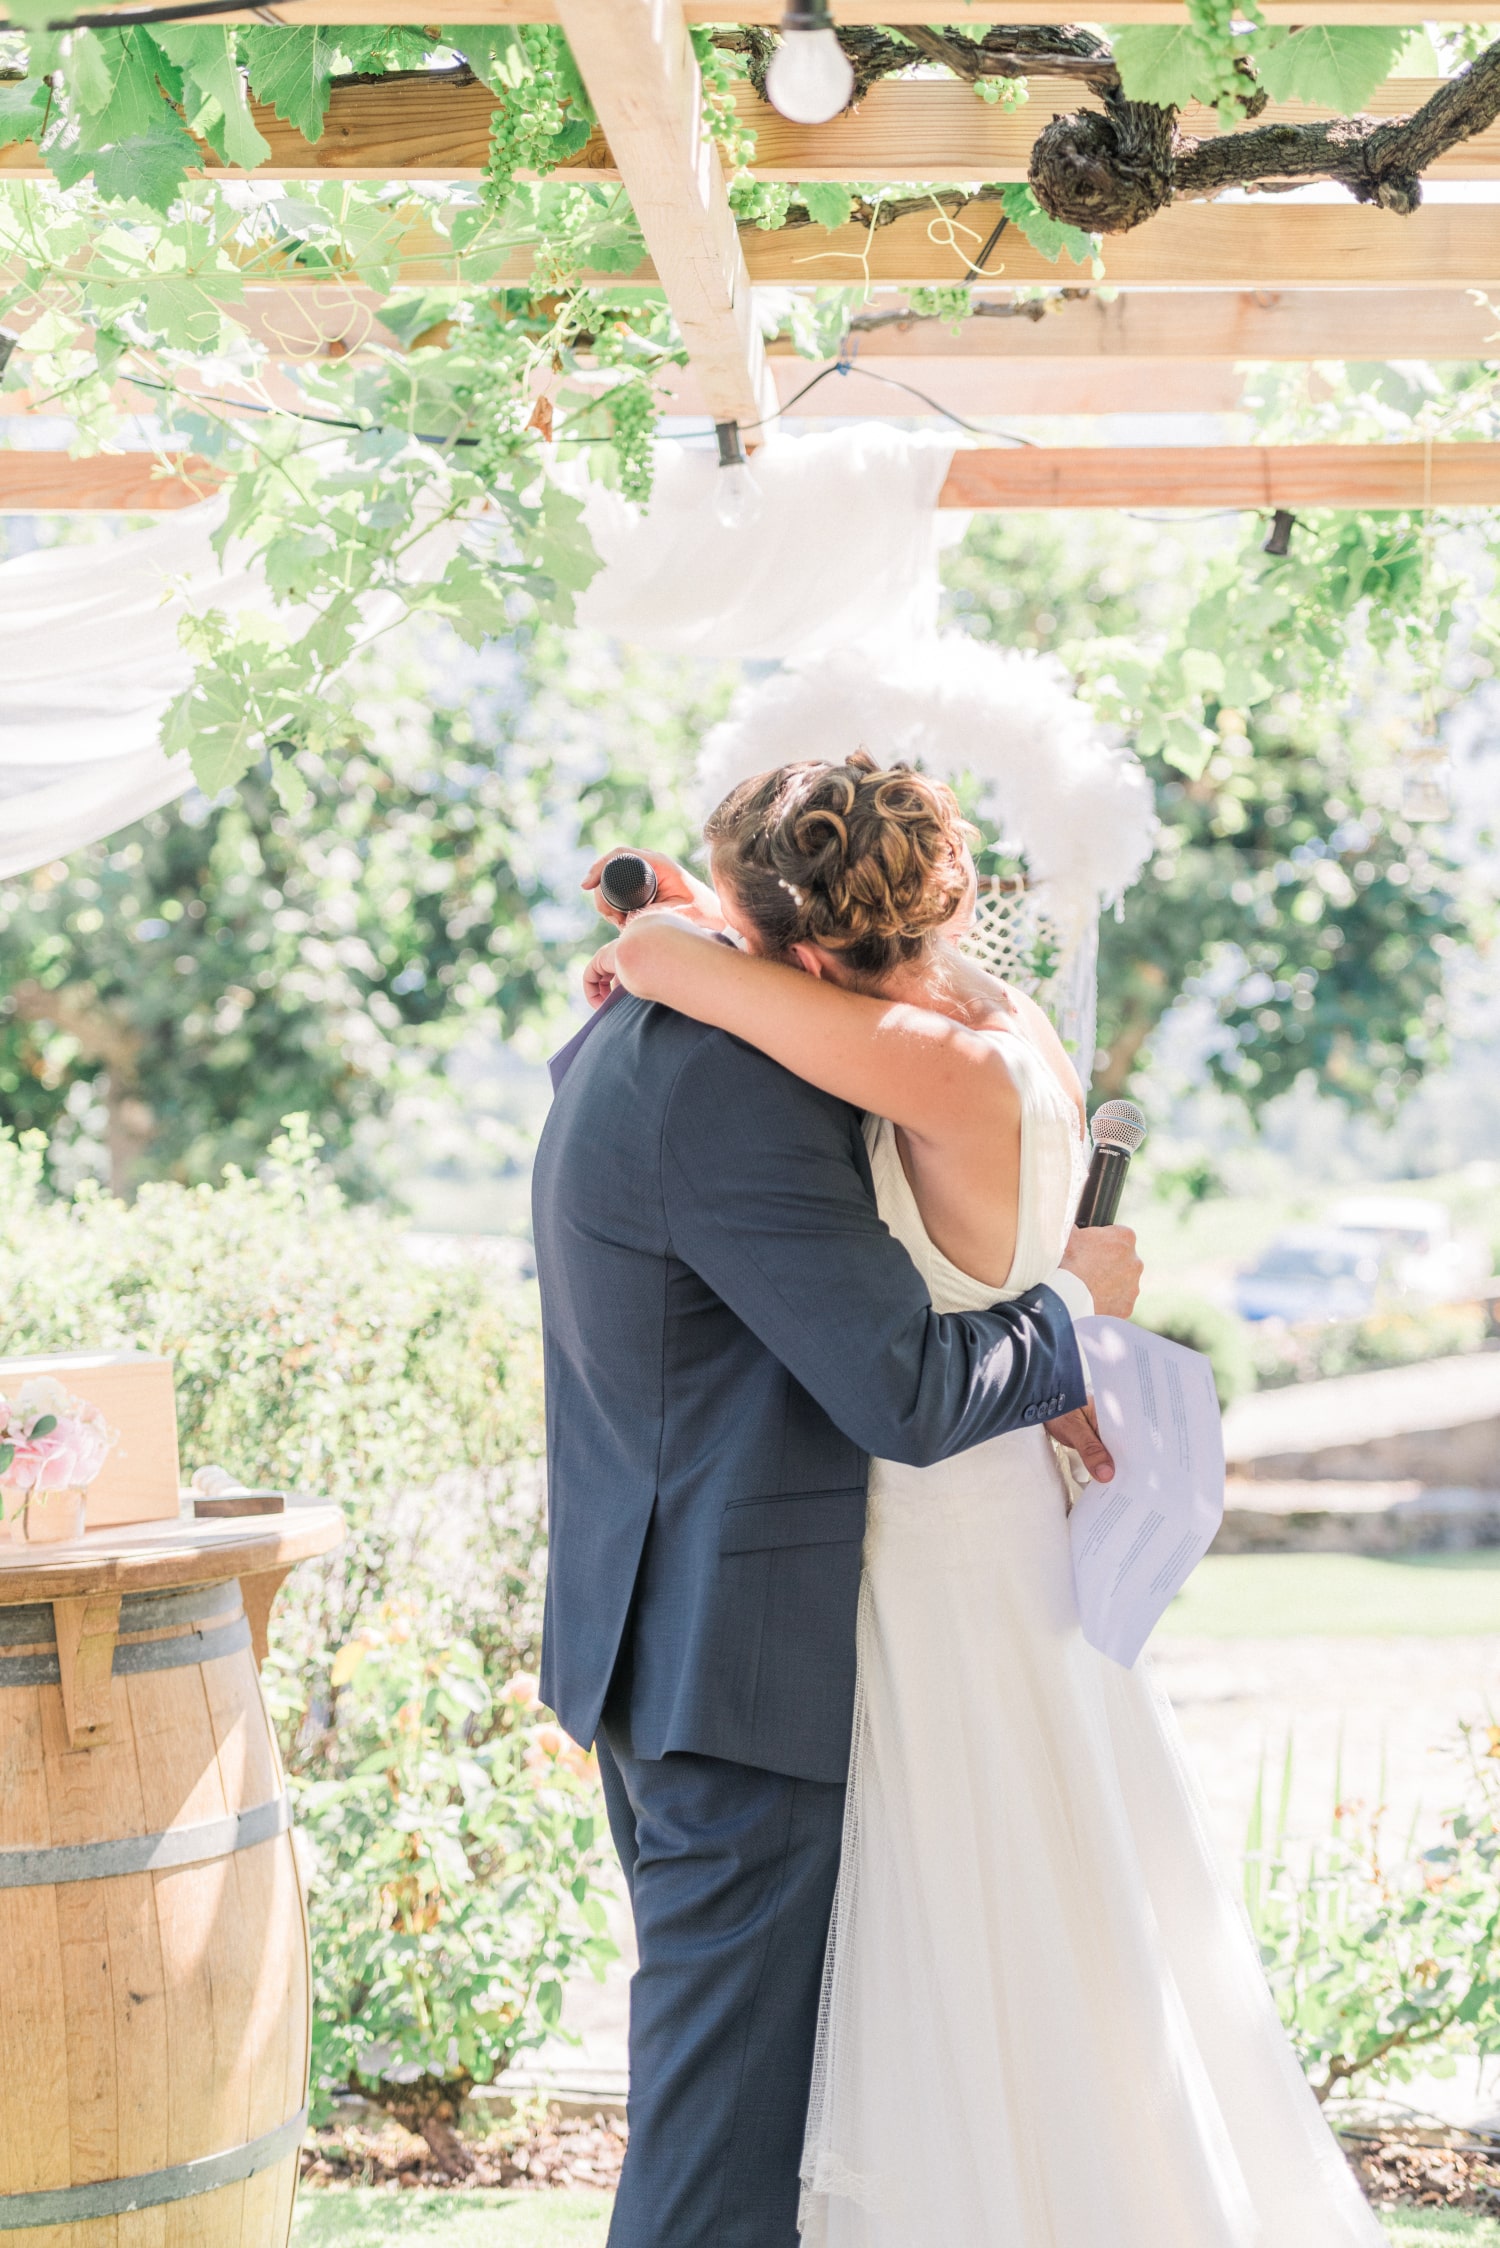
1015,938
1009,931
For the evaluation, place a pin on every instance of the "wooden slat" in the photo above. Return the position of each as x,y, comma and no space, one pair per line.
925,129
1264,244
1226,476
1160,326
1443,475
109,484
1261,244
971,15
1201,324
973,388
638,62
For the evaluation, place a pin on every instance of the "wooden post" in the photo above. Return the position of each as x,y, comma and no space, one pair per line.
638,63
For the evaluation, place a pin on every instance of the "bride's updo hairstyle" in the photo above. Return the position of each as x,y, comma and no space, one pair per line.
867,863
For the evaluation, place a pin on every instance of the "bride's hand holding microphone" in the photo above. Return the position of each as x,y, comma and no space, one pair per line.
1104,1257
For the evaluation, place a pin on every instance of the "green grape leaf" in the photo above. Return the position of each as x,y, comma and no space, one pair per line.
826,202
559,544
473,603
568,139
289,784
1337,66
87,72
217,724
148,169
616,246
1047,235
293,71
1162,63
122,67
205,55
468,225
408,317
23,109
493,51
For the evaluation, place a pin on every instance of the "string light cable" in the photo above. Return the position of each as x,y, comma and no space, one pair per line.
841,366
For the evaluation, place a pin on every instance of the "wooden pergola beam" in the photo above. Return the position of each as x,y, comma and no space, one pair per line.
1166,325
1250,476
108,484
880,389
1260,244
1084,476
931,129
966,16
642,75
923,129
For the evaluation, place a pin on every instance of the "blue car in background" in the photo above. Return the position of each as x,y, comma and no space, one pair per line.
1309,1274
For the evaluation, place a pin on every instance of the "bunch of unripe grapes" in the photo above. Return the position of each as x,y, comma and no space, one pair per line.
1220,29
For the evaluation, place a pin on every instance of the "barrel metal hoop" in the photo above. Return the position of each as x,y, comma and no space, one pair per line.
136,1655
33,1625
115,2197
147,1853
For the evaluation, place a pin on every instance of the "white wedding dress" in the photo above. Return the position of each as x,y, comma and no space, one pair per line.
1044,2022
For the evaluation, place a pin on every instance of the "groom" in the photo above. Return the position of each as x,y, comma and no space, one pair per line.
730,1333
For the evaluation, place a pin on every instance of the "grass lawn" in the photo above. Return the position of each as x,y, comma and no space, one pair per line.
369,2218
1339,1595
1435,2228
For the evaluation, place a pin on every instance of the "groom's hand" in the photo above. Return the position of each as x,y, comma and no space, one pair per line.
1105,1260
1080,1432
674,887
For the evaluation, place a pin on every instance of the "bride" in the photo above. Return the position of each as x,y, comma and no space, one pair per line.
1044,2024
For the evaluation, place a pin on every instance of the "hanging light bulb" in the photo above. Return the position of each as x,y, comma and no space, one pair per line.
811,78
737,496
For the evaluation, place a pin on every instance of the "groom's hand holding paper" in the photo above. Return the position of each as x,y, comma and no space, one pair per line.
1137,1538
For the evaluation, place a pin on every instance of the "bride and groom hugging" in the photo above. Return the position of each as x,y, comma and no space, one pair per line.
933,1952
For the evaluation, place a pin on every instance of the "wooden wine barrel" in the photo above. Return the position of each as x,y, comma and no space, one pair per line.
153,1941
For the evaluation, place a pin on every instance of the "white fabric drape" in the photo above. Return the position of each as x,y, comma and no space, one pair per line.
845,544
89,661
844,549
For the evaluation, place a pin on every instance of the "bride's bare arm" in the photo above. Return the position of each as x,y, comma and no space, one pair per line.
937,1079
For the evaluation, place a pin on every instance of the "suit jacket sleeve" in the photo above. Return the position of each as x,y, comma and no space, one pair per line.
766,1203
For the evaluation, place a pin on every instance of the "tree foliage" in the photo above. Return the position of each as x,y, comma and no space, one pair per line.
1287,885
171,993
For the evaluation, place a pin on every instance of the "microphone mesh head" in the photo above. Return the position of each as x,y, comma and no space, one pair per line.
1118,1124
627,882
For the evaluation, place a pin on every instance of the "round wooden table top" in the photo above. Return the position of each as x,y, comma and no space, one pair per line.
149,1556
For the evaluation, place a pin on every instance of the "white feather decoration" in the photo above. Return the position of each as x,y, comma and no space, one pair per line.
1057,787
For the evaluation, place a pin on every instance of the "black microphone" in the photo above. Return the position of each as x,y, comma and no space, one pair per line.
627,882
1118,1131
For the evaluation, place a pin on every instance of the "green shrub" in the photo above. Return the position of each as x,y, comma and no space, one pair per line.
451,1831
1200,1325
454,1839
1383,1972
1352,1346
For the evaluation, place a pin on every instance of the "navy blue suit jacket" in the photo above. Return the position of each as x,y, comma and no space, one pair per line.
730,1333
